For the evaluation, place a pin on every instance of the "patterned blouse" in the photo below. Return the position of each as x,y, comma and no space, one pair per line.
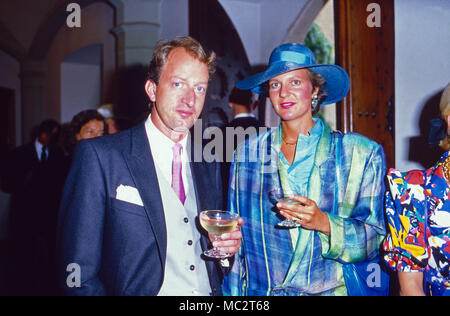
418,216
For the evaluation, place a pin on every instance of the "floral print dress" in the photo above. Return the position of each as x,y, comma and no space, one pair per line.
418,218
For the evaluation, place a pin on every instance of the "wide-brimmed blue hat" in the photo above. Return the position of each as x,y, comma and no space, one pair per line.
292,56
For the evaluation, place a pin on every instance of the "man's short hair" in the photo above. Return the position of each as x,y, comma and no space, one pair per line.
192,46
243,97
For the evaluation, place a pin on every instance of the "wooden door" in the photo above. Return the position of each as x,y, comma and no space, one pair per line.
365,49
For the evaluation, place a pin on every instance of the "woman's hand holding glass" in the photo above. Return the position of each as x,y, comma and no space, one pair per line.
306,213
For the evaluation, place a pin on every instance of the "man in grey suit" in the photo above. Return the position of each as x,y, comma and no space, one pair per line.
127,222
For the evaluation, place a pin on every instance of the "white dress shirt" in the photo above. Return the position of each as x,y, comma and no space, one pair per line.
38,146
185,272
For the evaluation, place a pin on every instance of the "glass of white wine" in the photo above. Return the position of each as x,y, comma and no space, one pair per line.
218,222
275,196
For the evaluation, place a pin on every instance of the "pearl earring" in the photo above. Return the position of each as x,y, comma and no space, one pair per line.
315,101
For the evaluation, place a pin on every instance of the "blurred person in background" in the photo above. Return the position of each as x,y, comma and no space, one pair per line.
86,124
107,110
33,175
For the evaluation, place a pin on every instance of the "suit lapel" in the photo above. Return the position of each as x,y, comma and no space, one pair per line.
142,168
32,153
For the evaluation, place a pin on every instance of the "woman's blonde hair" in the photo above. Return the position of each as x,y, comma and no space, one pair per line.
444,107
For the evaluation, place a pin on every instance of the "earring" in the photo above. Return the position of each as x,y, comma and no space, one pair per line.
315,101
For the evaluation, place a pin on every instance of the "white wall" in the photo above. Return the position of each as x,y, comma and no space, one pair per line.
174,19
277,17
9,78
80,89
246,18
422,66
262,25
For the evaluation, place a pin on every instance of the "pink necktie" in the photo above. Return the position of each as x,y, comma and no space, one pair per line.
177,179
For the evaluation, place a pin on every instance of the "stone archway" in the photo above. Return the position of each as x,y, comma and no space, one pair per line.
51,25
208,19
10,45
41,95
14,54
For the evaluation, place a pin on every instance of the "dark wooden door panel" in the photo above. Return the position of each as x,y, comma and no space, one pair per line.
367,53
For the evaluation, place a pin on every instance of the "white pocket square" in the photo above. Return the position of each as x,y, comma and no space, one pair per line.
128,194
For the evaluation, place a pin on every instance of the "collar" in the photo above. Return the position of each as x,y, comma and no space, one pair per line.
161,148
38,146
241,115
315,132
158,139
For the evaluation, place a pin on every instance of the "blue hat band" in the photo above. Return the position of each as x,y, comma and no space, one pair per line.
294,57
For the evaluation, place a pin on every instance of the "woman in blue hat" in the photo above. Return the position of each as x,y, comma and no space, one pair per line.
334,182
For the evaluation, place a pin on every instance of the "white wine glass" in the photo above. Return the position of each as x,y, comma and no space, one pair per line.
216,223
276,195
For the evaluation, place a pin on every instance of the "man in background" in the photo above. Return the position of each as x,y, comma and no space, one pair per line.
33,174
243,125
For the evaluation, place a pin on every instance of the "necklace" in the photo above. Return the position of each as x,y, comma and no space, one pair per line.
290,144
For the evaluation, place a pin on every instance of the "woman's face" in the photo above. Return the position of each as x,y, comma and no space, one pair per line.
91,129
291,95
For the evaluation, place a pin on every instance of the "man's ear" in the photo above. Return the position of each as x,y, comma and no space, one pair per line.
150,89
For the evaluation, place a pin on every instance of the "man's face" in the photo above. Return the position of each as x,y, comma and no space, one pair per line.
180,95
44,139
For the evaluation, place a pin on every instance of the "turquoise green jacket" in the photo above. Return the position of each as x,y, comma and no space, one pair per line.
275,261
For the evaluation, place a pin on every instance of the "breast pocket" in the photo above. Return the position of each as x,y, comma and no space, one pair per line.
125,207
